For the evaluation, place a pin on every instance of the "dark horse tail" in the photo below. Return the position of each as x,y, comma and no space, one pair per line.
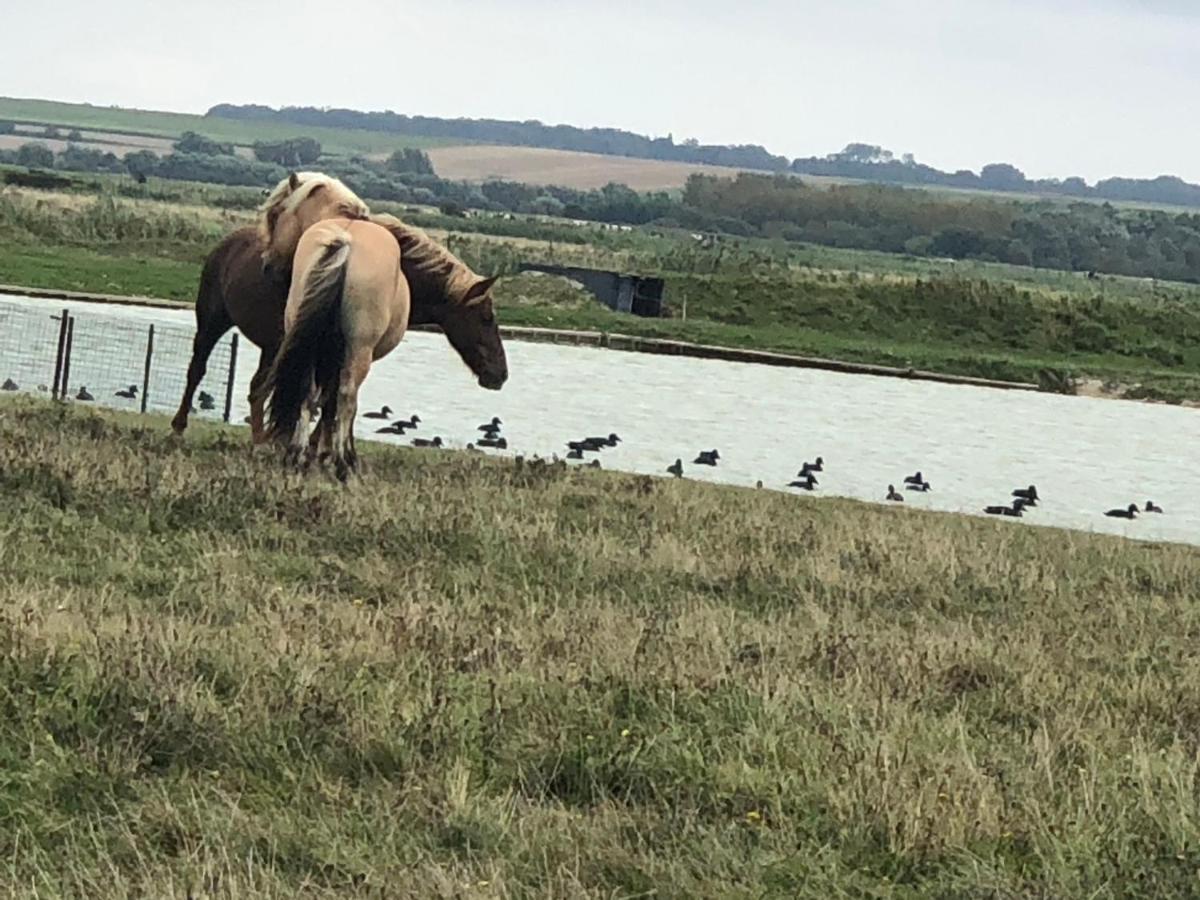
314,348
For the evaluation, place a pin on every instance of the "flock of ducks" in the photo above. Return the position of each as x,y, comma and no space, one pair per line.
205,400
491,438
1023,498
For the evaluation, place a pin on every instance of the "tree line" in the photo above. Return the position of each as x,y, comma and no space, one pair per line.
1052,234
866,162
609,141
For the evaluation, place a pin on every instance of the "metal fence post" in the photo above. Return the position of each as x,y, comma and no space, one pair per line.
233,347
66,369
146,370
59,354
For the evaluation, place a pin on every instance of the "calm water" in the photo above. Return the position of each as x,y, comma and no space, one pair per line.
973,444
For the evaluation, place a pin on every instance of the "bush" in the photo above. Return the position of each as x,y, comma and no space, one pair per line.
301,151
35,156
410,160
197,144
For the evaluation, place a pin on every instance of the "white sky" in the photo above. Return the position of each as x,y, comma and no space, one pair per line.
1057,87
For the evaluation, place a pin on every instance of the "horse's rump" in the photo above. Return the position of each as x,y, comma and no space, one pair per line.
313,348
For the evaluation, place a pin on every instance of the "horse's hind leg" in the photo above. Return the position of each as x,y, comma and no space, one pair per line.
209,330
258,431
354,372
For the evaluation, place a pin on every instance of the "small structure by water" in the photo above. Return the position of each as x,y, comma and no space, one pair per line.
637,294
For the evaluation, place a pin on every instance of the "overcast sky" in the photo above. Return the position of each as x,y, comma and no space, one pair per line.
1057,87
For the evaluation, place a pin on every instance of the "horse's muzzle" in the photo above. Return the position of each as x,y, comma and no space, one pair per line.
493,381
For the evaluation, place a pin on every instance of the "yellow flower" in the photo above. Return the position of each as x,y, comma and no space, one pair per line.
753,816
624,732
358,601
482,883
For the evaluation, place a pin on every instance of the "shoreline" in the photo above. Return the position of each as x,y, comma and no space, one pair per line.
609,340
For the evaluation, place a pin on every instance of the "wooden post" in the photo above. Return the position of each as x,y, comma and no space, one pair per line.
233,345
59,354
146,370
66,378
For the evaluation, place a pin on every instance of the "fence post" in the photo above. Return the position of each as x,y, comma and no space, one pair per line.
233,345
146,370
59,353
66,369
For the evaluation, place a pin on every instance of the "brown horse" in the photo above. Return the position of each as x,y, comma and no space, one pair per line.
236,291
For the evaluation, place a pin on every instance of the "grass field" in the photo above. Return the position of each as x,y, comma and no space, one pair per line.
471,678
171,125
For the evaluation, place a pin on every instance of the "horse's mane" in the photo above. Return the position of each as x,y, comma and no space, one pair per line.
433,272
296,188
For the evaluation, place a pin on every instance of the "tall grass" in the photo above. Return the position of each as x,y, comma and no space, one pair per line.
469,677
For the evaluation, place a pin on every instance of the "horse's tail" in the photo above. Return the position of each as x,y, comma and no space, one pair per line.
314,348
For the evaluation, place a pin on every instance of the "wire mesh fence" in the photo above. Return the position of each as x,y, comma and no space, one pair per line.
111,361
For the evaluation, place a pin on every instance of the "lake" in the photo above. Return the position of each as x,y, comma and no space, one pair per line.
973,444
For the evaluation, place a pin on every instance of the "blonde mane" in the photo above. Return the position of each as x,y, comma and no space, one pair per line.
295,189
433,272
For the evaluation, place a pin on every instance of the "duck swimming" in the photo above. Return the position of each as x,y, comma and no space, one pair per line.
706,458
676,468
916,478
1016,509
394,428
494,443
129,393
894,495
9,385
83,394
493,425
923,487
427,442
806,484
383,413
587,444
1029,494
407,423
1152,507
818,466
611,441
1128,513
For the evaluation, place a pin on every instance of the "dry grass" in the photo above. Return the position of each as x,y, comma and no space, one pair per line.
567,168
470,678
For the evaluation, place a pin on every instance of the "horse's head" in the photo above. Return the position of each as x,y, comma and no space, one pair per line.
470,326
299,201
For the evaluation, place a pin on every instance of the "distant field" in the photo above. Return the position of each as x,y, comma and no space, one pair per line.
108,141
148,123
567,168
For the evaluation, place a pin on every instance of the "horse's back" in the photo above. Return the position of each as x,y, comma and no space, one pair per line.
375,295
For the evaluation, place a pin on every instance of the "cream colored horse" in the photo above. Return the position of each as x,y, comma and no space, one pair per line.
347,306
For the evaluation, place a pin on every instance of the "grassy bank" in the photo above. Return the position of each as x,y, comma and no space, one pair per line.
472,678
983,320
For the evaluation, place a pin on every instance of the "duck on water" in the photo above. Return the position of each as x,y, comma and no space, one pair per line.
1016,509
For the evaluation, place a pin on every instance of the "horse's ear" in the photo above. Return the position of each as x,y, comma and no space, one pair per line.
293,180
479,288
